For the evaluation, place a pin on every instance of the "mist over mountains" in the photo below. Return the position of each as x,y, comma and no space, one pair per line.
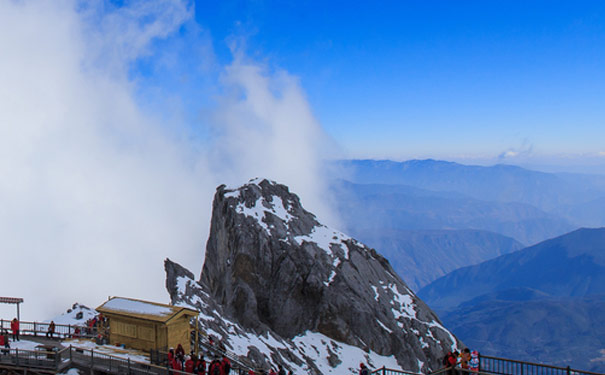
425,210
500,183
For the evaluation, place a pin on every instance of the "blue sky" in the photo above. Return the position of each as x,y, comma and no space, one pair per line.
409,79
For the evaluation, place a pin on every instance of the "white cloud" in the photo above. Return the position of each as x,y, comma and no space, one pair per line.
525,150
265,128
94,192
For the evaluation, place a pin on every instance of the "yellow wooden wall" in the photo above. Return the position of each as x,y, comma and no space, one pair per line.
148,335
133,333
179,332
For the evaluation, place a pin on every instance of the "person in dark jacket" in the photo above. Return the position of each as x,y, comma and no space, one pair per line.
179,353
363,370
51,329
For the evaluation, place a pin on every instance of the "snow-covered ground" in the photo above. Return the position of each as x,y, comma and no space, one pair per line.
72,314
133,355
23,344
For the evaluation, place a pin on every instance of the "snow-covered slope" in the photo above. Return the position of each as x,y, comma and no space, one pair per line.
281,288
76,315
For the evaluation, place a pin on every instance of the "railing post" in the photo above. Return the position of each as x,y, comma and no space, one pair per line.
35,330
384,370
57,360
92,362
17,355
480,361
568,370
129,365
70,357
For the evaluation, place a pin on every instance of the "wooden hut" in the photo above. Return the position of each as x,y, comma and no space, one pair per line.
147,325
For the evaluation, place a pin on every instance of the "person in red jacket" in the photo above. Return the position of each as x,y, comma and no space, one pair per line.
189,364
215,368
200,365
4,343
452,359
225,366
176,365
15,329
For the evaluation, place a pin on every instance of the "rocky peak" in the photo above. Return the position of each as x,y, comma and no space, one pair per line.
272,267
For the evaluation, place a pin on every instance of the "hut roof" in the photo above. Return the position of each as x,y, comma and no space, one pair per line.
142,309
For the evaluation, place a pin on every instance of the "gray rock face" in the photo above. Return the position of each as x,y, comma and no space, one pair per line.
272,268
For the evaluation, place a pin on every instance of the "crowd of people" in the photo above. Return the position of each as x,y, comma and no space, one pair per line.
196,364
467,360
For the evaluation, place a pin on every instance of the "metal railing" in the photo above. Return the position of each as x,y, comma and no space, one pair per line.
40,359
489,365
390,371
503,366
62,331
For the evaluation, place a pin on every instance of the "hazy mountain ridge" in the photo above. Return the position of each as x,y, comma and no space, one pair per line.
500,183
421,256
566,266
503,183
383,207
542,303
387,201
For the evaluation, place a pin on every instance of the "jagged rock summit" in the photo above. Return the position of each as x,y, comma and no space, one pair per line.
273,270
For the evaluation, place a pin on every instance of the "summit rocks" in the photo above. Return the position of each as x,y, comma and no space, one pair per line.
273,270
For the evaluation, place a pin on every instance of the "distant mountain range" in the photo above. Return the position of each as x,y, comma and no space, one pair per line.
572,265
500,183
421,256
413,211
366,207
542,303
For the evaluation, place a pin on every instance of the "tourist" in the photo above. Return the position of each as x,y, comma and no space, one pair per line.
465,358
15,329
225,366
215,367
189,365
51,329
201,365
4,343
